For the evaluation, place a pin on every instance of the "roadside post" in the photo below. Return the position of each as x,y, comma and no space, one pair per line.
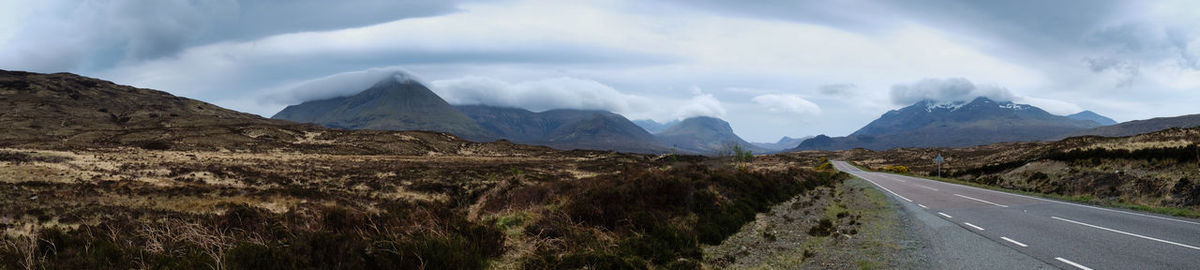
939,161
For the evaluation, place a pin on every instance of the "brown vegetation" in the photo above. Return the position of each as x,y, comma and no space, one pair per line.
1147,171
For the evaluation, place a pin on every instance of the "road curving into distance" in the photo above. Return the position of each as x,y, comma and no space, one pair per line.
1062,234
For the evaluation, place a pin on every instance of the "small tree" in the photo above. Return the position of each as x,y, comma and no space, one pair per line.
736,151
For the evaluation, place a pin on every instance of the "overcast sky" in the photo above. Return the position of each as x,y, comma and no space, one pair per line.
771,68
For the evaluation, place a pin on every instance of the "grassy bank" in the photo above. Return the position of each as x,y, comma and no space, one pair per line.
1083,199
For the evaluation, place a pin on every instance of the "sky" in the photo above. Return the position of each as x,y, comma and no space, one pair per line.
770,68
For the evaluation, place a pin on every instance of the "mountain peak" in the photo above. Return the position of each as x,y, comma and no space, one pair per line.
1092,116
980,121
397,102
703,134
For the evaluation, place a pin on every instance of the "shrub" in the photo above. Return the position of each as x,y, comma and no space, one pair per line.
897,169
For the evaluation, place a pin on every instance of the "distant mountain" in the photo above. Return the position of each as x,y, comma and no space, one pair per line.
394,103
704,135
654,126
1142,126
958,124
1094,117
565,128
784,143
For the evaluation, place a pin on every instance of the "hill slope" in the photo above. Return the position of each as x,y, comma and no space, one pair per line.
564,128
1143,126
931,124
395,103
65,111
705,135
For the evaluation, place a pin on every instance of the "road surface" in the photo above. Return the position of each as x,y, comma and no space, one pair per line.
1066,235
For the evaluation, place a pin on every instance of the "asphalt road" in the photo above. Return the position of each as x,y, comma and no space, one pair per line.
1062,234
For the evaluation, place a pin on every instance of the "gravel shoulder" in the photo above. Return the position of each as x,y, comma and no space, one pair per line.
851,225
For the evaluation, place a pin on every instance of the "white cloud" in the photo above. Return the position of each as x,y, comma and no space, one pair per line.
341,84
788,104
540,95
701,105
1053,106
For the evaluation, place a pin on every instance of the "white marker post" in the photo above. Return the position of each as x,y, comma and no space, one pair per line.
939,161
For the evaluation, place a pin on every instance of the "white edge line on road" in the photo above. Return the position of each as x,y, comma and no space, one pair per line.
1080,266
888,190
945,215
1014,241
1127,233
983,201
923,206
973,226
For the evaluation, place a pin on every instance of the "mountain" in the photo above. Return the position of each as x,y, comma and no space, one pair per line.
1142,126
959,124
704,135
654,126
565,128
64,111
783,143
394,103
1092,116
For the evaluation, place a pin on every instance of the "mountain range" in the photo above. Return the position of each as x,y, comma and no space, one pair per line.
399,103
955,124
784,143
76,111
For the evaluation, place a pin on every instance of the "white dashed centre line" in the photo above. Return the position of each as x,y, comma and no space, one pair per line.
973,226
945,215
1014,242
983,201
1127,233
929,188
923,206
1080,266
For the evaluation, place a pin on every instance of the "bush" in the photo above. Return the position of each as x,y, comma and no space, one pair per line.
897,169
825,166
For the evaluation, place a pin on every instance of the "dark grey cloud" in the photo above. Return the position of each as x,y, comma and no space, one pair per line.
1128,71
946,90
88,35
